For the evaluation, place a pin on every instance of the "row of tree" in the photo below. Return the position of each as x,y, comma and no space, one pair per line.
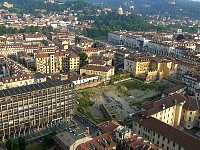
113,21
29,6
19,145
27,29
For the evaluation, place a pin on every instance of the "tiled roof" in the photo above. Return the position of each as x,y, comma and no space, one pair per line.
173,89
97,68
187,141
192,104
167,102
102,142
108,126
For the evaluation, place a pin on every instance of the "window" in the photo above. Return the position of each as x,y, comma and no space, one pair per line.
189,119
190,113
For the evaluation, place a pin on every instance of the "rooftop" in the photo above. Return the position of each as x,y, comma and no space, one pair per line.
173,89
164,103
97,68
32,87
187,141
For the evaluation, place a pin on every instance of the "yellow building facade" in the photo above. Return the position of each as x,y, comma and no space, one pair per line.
104,72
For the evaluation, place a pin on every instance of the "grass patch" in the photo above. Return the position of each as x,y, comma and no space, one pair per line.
133,84
118,77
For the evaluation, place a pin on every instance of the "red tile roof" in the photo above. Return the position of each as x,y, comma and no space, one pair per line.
102,142
173,89
167,102
108,126
182,138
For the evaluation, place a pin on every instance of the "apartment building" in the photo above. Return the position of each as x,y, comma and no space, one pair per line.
49,62
158,122
162,134
190,116
11,49
192,80
36,106
167,109
130,39
150,67
13,74
35,37
57,62
104,72
178,88
71,63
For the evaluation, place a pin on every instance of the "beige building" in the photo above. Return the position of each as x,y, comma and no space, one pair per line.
162,134
104,72
57,62
158,121
150,68
71,63
49,63
190,116
167,110
33,107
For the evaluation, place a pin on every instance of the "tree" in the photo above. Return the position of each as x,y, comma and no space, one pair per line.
83,59
15,146
21,143
9,145
48,139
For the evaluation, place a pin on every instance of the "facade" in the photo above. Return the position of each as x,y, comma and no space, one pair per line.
71,63
150,68
70,139
190,117
13,74
162,134
167,109
192,80
168,114
179,89
104,72
33,107
49,63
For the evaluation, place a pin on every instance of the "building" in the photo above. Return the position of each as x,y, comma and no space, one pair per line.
71,63
169,113
167,109
100,60
115,136
162,134
102,142
36,106
49,62
35,37
178,88
104,72
192,80
190,117
120,11
70,139
12,74
150,67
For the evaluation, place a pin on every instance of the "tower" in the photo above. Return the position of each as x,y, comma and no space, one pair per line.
120,11
172,2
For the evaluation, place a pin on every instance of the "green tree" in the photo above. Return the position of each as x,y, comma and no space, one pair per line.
21,143
83,59
9,144
15,146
